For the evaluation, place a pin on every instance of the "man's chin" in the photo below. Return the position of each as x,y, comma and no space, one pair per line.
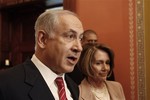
69,70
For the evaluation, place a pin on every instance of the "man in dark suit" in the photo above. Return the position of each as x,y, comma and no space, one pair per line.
57,50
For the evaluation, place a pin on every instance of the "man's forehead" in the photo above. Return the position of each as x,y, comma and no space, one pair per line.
91,36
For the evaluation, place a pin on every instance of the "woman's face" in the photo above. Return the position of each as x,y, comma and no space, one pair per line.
101,65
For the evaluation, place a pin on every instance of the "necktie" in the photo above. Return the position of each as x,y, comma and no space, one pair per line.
61,88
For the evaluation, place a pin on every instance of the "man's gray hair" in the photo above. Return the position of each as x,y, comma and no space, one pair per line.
49,21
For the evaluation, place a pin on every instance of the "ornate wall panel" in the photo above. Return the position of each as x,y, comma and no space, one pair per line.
120,24
140,50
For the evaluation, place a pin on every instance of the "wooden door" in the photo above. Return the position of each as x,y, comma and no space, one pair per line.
22,35
18,33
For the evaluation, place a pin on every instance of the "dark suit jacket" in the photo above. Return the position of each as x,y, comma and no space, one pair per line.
24,82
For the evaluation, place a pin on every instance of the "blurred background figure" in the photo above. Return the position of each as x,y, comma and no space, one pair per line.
89,36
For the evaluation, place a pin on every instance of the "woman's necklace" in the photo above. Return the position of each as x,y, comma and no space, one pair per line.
100,93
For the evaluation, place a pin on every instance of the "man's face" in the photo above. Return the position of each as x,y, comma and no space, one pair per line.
63,51
89,38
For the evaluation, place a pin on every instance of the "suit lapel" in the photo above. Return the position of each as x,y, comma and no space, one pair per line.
72,87
39,89
111,90
84,87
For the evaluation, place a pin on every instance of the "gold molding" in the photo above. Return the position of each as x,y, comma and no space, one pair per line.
132,50
140,49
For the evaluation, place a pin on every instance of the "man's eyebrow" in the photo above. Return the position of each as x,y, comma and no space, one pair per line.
69,31
73,31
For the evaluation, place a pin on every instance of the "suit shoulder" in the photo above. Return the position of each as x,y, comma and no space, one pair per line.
14,71
114,83
11,70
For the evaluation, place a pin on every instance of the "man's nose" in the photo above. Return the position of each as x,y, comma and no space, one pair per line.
77,45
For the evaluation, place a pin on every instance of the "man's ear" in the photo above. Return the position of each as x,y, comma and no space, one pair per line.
42,38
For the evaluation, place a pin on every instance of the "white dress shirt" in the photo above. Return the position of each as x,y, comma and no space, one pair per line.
49,77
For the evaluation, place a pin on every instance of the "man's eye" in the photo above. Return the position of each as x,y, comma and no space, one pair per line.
70,37
81,37
90,41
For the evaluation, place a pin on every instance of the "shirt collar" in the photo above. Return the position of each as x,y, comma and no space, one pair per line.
48,75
